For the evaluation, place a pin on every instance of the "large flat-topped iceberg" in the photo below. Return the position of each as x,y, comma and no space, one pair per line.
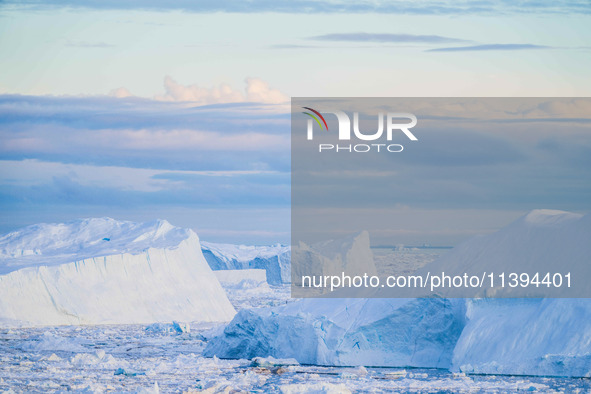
104,271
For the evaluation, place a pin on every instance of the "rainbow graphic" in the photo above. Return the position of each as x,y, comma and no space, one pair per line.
315,118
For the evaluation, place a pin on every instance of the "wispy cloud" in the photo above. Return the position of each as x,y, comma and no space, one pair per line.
491,47
290,46
85,44
386,38
420,7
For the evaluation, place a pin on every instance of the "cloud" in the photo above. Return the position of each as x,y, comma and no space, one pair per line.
572,108
292,46
120,93
85,44
494,153
68,188
385,38
142,133
413,7
256,91
140,158
491,47
33,172
184,139
254,202
194,93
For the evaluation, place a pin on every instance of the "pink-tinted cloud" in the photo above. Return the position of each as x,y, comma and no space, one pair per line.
256,90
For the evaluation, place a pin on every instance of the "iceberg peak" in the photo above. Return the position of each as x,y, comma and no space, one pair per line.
549,217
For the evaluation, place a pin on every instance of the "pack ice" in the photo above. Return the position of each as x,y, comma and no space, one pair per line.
510,336
275,259
104,271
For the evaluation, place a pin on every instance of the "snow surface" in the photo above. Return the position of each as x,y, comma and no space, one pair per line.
275,259
58,243
103,271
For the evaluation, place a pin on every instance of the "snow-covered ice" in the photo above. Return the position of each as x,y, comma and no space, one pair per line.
103,271
275,259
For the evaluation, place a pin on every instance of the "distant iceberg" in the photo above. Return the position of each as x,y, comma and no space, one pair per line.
350,256
144,273
275,259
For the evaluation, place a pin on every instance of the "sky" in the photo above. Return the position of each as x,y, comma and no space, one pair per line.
180,110
476,161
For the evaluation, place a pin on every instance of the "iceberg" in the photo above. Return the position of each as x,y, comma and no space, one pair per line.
347,332
242,279
548,337
351,255
104,271
528,336
542,241
515,336
275,259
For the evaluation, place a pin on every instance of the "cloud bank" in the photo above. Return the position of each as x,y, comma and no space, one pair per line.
67,157
491,47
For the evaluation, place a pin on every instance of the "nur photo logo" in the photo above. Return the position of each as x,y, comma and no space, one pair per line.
394,122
